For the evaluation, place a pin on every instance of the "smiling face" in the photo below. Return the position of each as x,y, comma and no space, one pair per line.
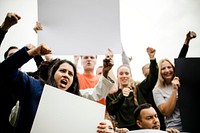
123,76
167,71
64,76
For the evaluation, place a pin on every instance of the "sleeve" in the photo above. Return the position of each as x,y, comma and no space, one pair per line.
16,61
38,59
157,96
114,102
2,35
125,59
10,73
100,91
183,51
147,85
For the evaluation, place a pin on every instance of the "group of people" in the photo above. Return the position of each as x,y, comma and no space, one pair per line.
149,104
59,73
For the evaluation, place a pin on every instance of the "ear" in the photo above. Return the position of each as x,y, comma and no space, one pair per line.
138,122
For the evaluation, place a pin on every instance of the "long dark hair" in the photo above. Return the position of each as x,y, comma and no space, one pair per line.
74,88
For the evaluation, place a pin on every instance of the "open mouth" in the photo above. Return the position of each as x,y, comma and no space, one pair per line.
63,83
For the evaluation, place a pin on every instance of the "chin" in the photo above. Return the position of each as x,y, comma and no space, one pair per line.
156,127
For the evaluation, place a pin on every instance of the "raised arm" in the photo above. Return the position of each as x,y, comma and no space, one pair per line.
10,20
42,49
104,84
147,85
190,35
125,58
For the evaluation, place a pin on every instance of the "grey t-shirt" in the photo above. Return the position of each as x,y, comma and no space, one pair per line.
161,95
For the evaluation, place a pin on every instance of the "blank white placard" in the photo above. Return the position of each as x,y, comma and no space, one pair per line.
63,112
80,27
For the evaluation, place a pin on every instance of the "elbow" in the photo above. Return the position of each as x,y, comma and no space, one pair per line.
165,112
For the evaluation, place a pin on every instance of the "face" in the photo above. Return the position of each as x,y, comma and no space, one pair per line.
88,62
145,70
123,76
167,71
99,71
109,126
64,76
149,119
11,52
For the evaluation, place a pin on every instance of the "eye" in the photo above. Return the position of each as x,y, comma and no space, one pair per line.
85,57
62,70
127,73
70,73
121,73
111,128
163,68
92,57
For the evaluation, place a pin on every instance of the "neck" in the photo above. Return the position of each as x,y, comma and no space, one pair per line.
88,72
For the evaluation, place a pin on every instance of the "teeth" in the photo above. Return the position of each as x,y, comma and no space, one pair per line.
63,82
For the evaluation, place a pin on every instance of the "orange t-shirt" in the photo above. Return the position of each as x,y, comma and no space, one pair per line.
89,81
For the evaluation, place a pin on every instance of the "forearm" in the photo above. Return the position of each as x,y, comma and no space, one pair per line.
38,59
2,35
100,91
17,59
147,85
9,68
114,102
170,104
125,59
183,51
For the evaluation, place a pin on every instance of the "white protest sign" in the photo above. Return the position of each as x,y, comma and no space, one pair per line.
63,112
80,27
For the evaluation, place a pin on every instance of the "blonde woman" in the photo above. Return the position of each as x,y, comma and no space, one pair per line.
122,103
165,94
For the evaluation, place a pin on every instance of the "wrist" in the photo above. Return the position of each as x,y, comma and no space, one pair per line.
4,27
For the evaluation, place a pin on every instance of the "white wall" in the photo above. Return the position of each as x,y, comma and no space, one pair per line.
160,24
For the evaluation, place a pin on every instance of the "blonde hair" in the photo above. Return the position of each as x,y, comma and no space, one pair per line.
161,83
113,121
132,83
132,86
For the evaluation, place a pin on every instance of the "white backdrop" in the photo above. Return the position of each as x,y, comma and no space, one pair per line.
160,24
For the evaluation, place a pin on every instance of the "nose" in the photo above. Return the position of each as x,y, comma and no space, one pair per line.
156,120
89,59
65,74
